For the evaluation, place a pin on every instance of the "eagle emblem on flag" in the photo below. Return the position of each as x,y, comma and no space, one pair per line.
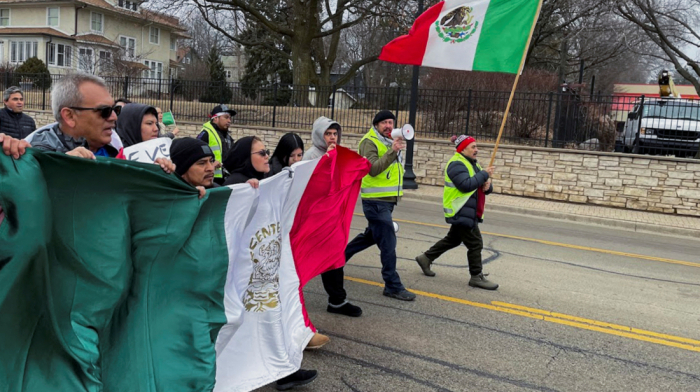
457,25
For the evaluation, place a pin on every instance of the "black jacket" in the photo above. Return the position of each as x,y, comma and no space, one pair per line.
459,174
17,125
226,140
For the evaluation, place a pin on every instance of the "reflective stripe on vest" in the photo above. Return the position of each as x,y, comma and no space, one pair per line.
388,183
452,198
215,145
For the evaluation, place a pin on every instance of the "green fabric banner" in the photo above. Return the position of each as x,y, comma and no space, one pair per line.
111,276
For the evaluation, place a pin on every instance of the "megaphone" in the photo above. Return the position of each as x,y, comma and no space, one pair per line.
406,132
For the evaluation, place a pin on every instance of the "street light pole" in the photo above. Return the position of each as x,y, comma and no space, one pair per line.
409,178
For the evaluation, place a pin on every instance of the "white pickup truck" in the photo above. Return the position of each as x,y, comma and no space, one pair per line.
666,126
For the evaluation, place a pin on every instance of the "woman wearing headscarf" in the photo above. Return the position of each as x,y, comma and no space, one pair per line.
289,151
248,161
137,123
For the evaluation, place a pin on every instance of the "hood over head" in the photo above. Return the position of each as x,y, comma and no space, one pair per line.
129,122
238,161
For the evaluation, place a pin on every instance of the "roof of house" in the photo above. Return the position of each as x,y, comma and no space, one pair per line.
95,39
144,14
34,31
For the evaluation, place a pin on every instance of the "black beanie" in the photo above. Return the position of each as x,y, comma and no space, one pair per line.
383,115
186,151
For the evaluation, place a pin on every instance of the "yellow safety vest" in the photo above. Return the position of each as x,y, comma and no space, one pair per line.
215,145
452,198
387,183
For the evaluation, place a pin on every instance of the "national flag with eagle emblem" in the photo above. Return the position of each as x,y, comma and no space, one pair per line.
467,35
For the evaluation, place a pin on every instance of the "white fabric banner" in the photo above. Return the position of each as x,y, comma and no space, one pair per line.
265,334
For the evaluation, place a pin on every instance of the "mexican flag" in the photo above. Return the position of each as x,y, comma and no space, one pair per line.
115,276
468,35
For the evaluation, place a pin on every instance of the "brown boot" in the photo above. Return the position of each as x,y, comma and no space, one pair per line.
424,263
318,341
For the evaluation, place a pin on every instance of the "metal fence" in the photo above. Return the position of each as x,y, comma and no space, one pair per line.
550,119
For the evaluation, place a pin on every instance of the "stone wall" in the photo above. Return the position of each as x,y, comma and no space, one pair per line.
646,183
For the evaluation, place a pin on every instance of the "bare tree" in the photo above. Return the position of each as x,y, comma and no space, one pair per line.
672,25
312,27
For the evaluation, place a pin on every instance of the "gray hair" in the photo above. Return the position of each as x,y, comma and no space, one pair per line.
66,92
10,91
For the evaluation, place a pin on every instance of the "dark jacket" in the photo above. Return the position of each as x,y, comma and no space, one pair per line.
280,158
459,174
129,123
226,139
17,125
239,164
50,138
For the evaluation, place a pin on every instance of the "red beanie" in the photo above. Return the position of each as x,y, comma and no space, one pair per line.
462,141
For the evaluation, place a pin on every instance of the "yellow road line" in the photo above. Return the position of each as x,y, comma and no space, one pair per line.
563,319
562,245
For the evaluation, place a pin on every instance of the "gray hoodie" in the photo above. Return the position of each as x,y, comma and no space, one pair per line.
319,143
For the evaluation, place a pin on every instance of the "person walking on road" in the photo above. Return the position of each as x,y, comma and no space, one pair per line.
381,190
463,201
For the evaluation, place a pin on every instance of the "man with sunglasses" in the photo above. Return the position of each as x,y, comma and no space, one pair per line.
13,122
216,134
84,110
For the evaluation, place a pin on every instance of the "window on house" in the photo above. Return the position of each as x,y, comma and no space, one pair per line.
129,5
228,74
52,16
155,69
21,51
173,44
96,21
129,46
154,36
86,62
60,55
105,56
4,17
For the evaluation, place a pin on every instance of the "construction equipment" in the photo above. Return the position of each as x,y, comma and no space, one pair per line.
666,86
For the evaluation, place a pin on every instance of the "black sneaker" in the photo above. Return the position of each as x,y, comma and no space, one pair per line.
346,309
403,295
300,377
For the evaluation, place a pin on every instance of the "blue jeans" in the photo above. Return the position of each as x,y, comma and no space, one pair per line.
380,232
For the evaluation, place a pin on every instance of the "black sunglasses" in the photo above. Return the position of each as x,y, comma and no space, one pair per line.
263,153
105,111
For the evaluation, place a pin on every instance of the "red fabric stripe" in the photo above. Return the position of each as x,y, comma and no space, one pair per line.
410,49
322,222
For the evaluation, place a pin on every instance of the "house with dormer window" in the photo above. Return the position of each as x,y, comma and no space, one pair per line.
105,37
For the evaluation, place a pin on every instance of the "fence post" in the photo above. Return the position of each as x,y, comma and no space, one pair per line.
398,103
274,104
160,84
126,87
635,143
549,116
469,110
333,103
43,91
172,92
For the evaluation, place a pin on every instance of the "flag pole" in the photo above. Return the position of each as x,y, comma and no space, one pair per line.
515,84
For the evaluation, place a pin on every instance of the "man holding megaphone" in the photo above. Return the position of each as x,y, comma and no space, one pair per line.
381,190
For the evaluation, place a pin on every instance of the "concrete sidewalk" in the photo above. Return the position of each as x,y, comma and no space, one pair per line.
611,217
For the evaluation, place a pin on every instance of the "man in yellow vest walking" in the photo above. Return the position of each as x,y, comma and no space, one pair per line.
463,201
215,133
381,190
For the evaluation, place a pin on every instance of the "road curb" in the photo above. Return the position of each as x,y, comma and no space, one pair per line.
607,222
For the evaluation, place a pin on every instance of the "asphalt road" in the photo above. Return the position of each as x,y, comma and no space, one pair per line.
580,308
